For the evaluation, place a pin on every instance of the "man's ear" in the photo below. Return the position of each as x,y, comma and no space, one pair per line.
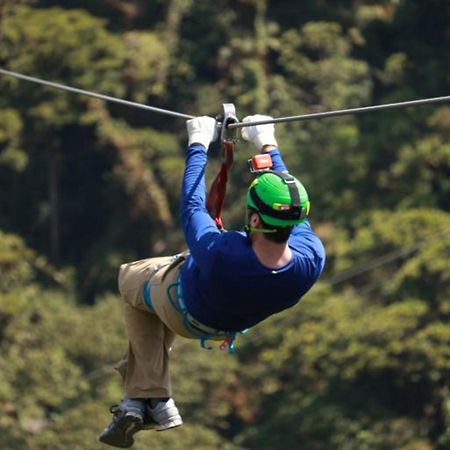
255,220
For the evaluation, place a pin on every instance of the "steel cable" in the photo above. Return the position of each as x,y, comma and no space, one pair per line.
342,112
93,94
319,115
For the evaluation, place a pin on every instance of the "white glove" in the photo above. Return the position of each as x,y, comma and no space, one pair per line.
202,130
260,135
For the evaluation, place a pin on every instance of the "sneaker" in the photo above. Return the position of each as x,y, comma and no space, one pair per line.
128,419
164,415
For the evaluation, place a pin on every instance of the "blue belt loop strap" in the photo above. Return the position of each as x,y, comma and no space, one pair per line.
203,343
147,298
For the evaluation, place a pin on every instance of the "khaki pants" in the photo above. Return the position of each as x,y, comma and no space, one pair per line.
145,367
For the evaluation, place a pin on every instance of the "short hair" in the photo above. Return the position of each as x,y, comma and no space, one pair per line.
280,235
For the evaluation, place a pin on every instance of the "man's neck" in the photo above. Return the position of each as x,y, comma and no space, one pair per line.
270,254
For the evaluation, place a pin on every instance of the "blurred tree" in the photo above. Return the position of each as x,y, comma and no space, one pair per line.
364,362
36,42
11,155
415,242
89,57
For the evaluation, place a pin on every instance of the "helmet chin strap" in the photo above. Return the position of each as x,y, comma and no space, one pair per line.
250,229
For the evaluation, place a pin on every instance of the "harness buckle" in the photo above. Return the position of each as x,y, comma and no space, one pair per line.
227,343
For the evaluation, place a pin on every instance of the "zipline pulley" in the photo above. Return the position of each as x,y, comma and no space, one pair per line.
228,117
228,138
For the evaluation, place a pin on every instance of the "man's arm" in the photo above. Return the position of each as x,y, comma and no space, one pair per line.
277,161
199,228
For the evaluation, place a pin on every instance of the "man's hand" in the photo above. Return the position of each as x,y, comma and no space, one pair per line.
259,135
202,130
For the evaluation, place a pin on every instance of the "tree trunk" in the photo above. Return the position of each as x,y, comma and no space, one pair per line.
53,201
262,97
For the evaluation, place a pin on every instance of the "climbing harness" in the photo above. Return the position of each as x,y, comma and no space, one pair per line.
193,326
173,262
190,324
228,138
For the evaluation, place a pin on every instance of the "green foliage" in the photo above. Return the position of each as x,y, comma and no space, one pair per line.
414,262
10,153
427,162
29,44
319,57
15,262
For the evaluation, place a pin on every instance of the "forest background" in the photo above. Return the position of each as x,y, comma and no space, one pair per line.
363,362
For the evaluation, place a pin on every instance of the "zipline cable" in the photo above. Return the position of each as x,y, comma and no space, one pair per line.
93,94
320,115
342,112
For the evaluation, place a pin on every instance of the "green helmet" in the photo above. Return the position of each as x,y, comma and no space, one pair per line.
279,198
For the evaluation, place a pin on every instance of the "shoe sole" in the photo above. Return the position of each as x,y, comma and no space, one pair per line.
122,435
173,423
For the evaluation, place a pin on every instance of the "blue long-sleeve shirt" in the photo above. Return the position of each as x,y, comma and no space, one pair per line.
224,284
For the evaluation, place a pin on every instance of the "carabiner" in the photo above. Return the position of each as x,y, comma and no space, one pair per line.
229,116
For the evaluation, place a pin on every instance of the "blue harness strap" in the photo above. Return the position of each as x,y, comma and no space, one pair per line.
147,297
179,305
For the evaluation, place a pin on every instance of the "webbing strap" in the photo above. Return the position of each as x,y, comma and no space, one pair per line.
216,196
293,190
178,304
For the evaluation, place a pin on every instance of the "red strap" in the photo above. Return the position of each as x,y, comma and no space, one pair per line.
216,196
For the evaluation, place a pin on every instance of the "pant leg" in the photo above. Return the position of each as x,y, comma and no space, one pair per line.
145,368
147,362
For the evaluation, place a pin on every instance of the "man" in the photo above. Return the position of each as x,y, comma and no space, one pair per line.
227,282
